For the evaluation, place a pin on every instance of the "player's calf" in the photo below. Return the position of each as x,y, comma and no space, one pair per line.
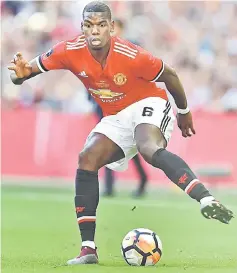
179,172
86,202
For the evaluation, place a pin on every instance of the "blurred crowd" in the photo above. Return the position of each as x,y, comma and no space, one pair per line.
197,38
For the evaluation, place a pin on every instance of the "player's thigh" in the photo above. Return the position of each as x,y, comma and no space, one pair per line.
149,139
154,122
98,151
119,129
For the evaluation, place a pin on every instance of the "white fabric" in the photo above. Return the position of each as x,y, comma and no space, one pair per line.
206,200
183,111
90,244
120,127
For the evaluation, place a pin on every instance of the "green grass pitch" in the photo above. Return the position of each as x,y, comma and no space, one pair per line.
39,232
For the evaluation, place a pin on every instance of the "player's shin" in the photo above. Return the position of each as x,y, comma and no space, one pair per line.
86,202
179,172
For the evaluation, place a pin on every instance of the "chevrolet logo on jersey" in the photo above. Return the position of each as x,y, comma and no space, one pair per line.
104,93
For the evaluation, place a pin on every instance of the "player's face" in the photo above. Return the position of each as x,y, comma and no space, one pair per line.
97,29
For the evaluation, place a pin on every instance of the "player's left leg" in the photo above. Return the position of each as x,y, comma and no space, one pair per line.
151,144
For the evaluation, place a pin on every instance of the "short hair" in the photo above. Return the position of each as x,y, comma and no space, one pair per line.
97,6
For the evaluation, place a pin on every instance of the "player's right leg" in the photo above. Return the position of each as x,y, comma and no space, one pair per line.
98,151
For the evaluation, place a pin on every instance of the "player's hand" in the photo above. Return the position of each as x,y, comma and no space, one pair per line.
20,66
185,123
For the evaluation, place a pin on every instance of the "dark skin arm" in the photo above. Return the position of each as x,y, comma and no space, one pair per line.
22,69
174,86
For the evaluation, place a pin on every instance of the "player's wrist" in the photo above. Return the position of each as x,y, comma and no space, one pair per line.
16,80
183,111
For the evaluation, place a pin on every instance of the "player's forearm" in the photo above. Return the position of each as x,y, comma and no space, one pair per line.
176,89
174,86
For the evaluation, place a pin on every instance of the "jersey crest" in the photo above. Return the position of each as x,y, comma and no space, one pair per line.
120,79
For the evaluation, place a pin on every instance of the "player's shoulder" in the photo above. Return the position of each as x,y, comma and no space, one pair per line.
122,42
76,43
129,49
125,48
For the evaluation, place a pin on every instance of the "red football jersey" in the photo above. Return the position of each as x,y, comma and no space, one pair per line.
128,76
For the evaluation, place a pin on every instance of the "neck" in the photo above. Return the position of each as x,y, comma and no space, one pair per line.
101,54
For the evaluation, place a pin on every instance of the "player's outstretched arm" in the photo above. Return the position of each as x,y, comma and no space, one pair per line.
175,87
22,69
173,84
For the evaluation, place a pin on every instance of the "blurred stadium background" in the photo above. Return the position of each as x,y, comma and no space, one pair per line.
46,120
46,113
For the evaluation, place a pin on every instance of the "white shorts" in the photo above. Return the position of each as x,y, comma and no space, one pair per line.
120,127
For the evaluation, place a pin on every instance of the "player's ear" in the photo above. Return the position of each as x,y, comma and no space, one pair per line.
112,26
82,26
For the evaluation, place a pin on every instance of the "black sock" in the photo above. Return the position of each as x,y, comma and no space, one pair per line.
179,172
86,202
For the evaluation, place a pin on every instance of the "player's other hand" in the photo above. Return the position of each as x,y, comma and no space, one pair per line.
185,123
20,66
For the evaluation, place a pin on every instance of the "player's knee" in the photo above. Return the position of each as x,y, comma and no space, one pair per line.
87,161
147,149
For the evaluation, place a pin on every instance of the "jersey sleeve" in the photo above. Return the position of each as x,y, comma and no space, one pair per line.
53,59
148,67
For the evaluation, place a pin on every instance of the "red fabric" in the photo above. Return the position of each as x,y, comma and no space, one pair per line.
87,251
125,79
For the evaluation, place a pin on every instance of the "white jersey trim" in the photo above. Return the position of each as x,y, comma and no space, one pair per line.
127,47
80,38
159,74
126,50
75,47
124,53
79,43
39,65
76,44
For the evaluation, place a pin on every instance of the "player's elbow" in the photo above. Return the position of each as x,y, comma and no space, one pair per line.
169,74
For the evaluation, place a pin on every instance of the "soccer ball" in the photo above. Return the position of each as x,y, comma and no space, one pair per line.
141,247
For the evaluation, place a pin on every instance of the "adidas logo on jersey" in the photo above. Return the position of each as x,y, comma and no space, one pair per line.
83,74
